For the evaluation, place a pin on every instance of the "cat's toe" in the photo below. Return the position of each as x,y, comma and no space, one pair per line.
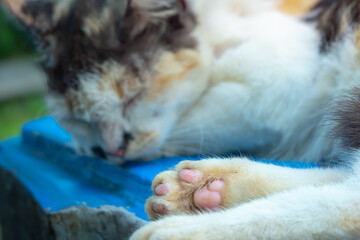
161,190
189,176
168,196
190,189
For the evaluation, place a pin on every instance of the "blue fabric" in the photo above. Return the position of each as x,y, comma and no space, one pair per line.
59,178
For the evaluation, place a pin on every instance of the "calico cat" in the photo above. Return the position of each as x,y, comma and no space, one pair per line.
142,79
276,79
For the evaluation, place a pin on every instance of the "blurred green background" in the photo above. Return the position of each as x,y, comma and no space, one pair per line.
13,43
15,110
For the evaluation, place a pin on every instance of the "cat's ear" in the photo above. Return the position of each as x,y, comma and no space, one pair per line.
15,7
36,15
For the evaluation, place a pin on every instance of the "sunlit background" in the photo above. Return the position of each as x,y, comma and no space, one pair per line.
21,81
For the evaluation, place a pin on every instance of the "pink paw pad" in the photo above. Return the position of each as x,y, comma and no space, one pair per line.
207,198
189,176
159,209
210,197
161,190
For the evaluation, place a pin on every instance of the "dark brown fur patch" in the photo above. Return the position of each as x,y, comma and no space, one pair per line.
347,118
131,34
333,19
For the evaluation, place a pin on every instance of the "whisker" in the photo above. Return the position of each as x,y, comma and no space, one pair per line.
187,149
183,128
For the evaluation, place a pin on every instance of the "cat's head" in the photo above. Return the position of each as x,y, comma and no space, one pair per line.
120,72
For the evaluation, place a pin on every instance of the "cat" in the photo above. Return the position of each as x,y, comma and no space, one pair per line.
143,79
275,79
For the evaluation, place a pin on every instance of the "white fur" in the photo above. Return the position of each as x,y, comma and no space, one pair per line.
270,90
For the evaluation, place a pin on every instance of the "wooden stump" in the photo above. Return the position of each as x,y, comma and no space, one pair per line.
105,223
22,217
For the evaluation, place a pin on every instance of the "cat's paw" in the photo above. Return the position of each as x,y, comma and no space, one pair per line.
194,186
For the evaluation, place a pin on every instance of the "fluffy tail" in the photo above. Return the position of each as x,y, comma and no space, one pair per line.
347,118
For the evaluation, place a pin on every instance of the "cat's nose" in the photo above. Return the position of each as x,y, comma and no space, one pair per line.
121,151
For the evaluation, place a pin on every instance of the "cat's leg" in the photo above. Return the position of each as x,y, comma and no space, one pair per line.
326,212
224,183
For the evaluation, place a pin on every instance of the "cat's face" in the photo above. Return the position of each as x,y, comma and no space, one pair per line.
116,112
120,73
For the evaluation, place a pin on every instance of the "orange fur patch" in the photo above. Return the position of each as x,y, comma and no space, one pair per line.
148,137
119,90
173,67
297,7
76,104
352,224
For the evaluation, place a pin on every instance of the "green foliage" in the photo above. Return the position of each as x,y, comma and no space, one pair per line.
13,42
14,113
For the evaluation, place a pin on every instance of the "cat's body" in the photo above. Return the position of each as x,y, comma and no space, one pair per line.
261,86
275,79
270,87
230,77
